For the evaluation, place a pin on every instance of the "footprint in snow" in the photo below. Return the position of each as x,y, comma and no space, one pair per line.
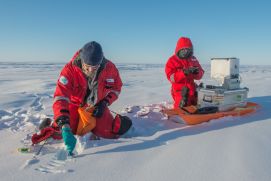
57,163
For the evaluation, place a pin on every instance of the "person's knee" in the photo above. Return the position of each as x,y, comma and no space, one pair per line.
121,124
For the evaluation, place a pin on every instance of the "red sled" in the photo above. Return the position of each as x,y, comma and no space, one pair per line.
190,117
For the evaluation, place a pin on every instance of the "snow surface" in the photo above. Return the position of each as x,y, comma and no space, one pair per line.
157,148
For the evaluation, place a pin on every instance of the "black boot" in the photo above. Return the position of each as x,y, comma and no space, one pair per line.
184,100
46,122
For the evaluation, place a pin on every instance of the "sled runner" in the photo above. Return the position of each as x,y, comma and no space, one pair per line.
190,116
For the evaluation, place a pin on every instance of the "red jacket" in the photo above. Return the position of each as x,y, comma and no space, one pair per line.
72,85
174,72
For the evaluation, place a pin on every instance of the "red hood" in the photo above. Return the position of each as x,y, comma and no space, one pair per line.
183,42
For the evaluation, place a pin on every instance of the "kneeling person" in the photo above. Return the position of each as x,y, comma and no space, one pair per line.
88,80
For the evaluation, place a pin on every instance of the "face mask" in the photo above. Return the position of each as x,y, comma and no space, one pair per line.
185,53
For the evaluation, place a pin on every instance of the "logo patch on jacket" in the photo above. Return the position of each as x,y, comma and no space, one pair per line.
110,80
63,80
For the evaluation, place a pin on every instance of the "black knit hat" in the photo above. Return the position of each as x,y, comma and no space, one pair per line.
92,53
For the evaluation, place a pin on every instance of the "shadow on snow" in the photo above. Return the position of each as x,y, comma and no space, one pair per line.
261,115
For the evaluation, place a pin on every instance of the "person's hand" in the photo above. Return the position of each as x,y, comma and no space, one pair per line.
99,108
194,70
191,70
68,138
186,71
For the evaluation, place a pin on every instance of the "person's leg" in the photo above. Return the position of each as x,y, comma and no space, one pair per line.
192,101
109,127
176,98
104,125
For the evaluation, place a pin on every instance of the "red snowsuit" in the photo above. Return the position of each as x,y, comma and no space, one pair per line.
71,90
174,72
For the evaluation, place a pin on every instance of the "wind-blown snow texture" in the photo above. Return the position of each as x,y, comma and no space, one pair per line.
232,148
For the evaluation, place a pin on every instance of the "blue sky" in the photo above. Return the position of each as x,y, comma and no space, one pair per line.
140,31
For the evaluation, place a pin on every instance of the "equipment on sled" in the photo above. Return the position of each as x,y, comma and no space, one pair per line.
226,99
228,94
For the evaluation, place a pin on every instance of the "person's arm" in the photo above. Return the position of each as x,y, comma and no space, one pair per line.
61,103
62,97
200,72
173,74
112,88
113,85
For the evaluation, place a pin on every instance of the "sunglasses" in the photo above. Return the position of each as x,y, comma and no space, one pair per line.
90,67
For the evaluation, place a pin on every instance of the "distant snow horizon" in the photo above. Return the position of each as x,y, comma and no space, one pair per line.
117,63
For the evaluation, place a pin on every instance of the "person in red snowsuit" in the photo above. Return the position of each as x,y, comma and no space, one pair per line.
181,70
89,78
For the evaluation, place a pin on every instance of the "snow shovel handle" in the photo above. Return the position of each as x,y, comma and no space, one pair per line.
41,147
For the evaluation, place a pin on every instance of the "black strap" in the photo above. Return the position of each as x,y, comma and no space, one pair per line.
203,110
207,110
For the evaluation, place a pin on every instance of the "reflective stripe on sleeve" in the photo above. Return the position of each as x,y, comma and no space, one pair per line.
58,98
117,93
172,78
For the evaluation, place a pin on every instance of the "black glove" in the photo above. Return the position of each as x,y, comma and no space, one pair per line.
191,70
45,123
194,70
186,71
99,108
61,120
